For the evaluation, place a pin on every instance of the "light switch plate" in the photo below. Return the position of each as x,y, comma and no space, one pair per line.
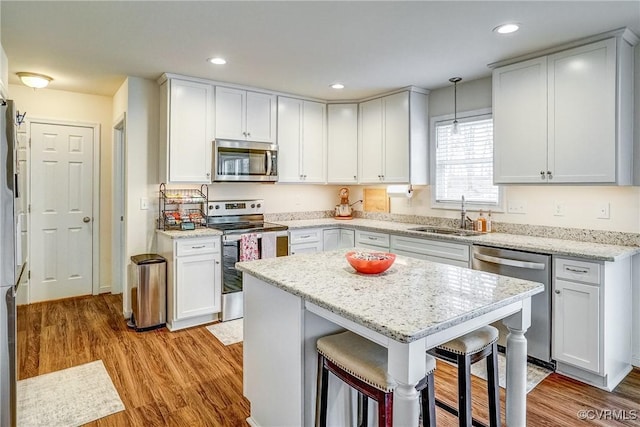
144,203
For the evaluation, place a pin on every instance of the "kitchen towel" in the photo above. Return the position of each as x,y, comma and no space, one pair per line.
249,247
268,245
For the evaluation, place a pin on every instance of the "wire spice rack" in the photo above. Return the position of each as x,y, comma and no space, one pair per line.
182,209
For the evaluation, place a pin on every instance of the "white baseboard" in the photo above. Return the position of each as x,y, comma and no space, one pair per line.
636,361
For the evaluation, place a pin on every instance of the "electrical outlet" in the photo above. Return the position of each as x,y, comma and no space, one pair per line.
558,208
517,207
603,211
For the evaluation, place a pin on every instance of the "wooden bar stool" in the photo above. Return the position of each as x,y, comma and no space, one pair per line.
362,365
465,351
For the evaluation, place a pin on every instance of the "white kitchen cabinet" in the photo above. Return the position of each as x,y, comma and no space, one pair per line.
4,74
338,238
372,240
591,325
393,139
186,131
301,141
194,280
305,240
342,143
245,115
431,249
566,117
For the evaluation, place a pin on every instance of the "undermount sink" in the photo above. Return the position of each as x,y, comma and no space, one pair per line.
449,231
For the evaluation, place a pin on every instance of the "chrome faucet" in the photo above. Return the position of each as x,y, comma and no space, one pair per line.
463,215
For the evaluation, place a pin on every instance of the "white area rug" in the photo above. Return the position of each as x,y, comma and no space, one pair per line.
70,397
535,374
227,332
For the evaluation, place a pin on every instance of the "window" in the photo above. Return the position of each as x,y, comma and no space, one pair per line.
463,163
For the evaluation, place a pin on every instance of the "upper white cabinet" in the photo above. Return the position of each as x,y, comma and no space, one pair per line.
301,140
245,115
566,117
393,139
342,143
186,131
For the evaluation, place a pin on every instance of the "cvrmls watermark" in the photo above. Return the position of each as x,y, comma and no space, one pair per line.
609,414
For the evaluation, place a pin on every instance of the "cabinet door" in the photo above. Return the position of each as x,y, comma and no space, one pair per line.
395,153
331,239
196,292
289,137
342,143
347,239
260,117
313,142
370,147
520,122
576,324
230,108
190,131
582,113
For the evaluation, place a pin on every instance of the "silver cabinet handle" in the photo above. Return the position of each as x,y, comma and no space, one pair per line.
372,238
549,175
198,247
510,262
577,270
306,236
86,219
541,174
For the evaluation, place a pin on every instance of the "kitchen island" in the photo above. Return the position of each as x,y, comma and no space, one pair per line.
414,306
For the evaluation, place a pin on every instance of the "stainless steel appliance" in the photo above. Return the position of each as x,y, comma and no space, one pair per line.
238,218
244,161
527,266
9,259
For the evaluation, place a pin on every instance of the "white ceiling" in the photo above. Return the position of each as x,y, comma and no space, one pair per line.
295,47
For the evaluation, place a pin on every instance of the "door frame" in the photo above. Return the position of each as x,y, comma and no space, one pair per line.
95,203
119,205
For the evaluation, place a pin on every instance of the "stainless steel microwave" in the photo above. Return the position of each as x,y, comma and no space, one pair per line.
244,161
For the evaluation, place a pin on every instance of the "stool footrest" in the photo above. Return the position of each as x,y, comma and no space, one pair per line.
453,411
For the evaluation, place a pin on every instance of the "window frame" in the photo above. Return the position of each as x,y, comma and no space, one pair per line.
463,116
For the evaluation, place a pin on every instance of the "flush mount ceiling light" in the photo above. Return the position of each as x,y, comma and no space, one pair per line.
506,28
455,81
217,60
36,81
337,86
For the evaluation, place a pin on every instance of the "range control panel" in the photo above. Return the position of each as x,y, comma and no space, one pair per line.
235,207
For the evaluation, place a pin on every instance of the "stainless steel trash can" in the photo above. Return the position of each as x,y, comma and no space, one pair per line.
148,291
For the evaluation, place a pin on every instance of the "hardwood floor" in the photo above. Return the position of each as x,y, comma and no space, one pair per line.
188,378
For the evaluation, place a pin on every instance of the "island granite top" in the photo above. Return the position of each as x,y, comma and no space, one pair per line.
546,245
411,300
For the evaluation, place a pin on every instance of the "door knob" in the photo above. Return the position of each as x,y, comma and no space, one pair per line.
558,291
86,219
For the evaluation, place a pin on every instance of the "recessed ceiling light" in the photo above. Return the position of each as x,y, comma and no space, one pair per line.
506,28
217,60
337,86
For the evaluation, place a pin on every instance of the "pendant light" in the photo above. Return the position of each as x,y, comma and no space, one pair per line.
455,81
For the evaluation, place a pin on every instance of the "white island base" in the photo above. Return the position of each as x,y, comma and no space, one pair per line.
280,359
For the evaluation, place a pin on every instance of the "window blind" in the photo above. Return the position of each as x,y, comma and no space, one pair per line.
464,162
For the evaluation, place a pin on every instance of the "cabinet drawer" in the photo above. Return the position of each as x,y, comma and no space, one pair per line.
371,238
305,236
197,246
579,271
431,248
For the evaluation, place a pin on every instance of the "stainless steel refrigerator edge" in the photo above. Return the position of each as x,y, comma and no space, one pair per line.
7,268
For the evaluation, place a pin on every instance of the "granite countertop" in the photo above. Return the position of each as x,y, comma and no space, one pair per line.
411,300
186,234
546,245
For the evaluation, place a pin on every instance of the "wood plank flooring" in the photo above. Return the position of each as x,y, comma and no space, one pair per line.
188,378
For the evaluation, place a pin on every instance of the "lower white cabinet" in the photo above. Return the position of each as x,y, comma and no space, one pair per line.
305,240
592,317
338,238
372,240
194,280
431,250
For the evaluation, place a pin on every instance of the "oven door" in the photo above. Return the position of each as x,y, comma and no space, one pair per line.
244,161
231,247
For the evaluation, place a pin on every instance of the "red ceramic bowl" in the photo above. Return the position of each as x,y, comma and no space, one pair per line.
377,262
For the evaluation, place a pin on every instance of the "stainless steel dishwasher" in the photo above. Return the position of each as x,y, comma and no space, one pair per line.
526,266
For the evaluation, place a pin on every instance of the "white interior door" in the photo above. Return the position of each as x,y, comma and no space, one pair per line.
61,211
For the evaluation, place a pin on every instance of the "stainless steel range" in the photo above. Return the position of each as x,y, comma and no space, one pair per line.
246,236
